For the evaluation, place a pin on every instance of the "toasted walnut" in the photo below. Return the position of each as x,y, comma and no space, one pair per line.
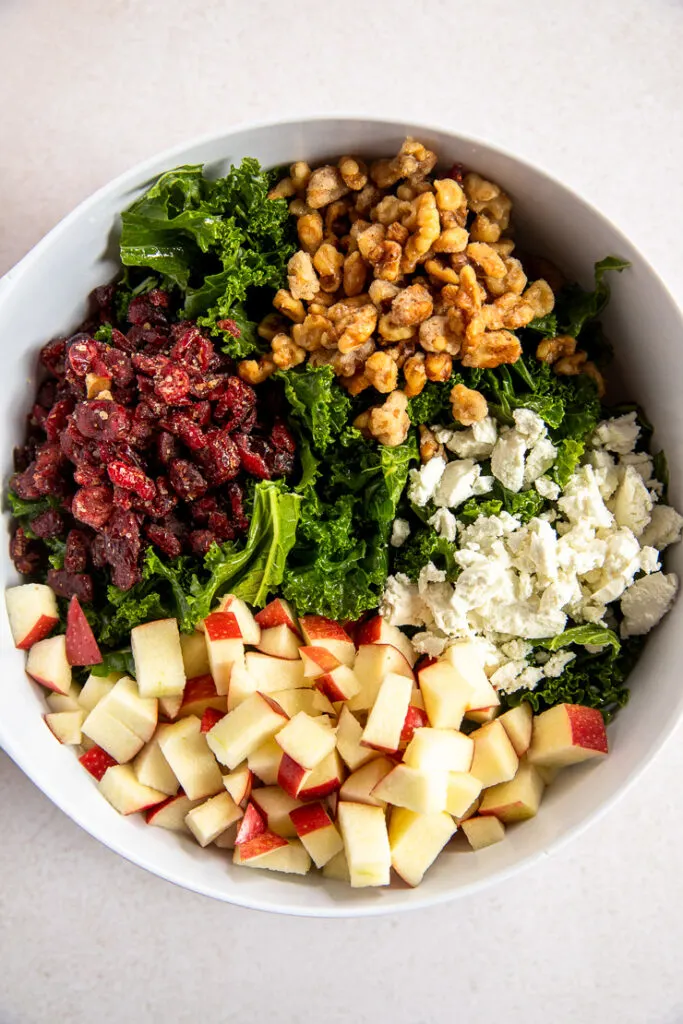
486,258
413,161
96,385
591,370
355,273
346,364
456,325
353,324
389,423
570,366
483,229
436,336
315,332
504,247
485,197
510,311
328,263
385,260
292,308
451,240
286,353
389,331
362,423
540,296
283,190
426,231
301,277
369,239
401,351
449,196
415,374
429,446
337,219
406,193
298,208
254,372
390,209
366,199
309,228
515,278
439,273
551,349
470,294
321,299
397,233
354,385
300,174
479,190
325,185
468,406
438,366
411,306
354,172
382,372
491,349
382,293
271,325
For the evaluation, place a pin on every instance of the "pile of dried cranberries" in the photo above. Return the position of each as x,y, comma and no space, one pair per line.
144,440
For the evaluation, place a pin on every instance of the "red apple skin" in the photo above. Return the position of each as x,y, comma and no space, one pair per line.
42,629
327,686
587,728
199,688
291,776
222,626
81,645
149,816
273,704
415,718
317,627
320,656
97,761
210,717
251,825
277,613
311,818
260,844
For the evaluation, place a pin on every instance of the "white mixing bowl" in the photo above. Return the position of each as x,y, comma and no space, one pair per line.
44,296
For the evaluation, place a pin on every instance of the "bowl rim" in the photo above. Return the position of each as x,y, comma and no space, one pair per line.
145,171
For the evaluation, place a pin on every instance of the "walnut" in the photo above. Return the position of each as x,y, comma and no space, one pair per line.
366,199
353,324
254,372
571,366
401,352
300,174
354,172
310,231
328,263
486,258
449,196
436,336
491,349
97,386
389,331
479,190
382,293
540,297
271,325
298,208
485,197
382,372
355,273
369,239
362,423
438,366
551,349
283,190
483,229
411,306
315,332
289,306
336,219
286,353
354,385
413,161
301,277
468,406
346,364
591,370
515,278
504,247
389,423
385,260
451,240
397,233
325,185
509,311
390,209
426,231
439,273
429,446
469,297
415,374
323,299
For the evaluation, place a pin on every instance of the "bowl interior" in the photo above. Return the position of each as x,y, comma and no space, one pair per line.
45,295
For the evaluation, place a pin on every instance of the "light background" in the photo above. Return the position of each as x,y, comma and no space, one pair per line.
591,91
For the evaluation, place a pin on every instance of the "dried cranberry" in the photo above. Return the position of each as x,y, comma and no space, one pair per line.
221,457
201,510
37,417
81,354
186,480
143,310
165,500
122,546
237,400
281,463
76,551
71,584
167,447
254,453
131,478
119,366
281,437
85,475
93,505
21,459
209,386
159,298
98,551
47,394
193,350
182,426
102,419
52,356
124,396
230,327
24,484
235,496
47,524
200,413
120,341
123,499
172,384
147,339
457,173
221,526
149,365
58,418
164,539
201,541
46,470
24,553
101,301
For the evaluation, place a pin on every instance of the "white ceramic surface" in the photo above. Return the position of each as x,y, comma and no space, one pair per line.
44,295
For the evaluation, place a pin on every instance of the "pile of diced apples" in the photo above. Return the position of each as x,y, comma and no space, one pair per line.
295,742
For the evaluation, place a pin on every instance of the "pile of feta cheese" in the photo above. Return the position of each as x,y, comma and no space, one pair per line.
598,542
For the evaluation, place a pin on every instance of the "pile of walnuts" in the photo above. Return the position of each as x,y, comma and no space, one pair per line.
399,273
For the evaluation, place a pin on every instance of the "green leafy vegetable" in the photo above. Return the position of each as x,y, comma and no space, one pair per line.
424,545
23,508
119,662
569,453
318,405
575,307
596,636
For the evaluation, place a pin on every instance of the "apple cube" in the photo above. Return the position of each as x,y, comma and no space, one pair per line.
121,739
462,790
439,750
385,721
349,734
249,627
32,612
226,840
377,631
277,613
321,632
185,748
211,818
293,701
195,654
516,800
373,663
279,642
518,723
209,718
317,833
276,806
291,776
318,661
445,693
224,646
120,787
47,663
242,685
123,702
66,726
326,778
416,840
482,832
337,868
257,845
466,660
81,645
95,689
564,735
64,701
239,784
158,658
366,844
171,813
494,758
339,684
274,674
199,694
416,718
323,706
290,858
483,716
306,740
245,728
169,707
153,770
264,762
360,786
251,825
423,792
96,761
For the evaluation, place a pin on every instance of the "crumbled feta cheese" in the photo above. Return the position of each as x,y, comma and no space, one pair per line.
664,528
456,484
516,649
582,500
445,524
529,424
529,678
442,434
641,462
617,435
425,480
539,460
632,502
507,460
474,443
547,488
429,643
507,674
606,472
482,485
556,664
649,559
400,532
401,603
646,602
429,574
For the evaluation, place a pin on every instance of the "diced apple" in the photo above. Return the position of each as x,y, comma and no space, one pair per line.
250,724
317,833
258,846
224,646
373,663
249,627
279,642
48,665
469,813
564,735
277,613
547,774
66,726
439,750
32,612
518,723
323,706
366,844
276,806
121,788
109,733
387,716
339,684
239,784
482,832
416,699
264,762
420,791
465,658
64,701
242,685
139,714
360,785
332,802
153,770
291,776
95,688
195,654
274,674
290,858
318,661
306,740
516,800
446,694
483,716
349,733
185,748
171,813
158,658
416,840
226,840
416,718
169,707
337,868
207,821
293,701
494,758
251,825
199,694
81,645
377,631
97,761
462,789
321,632
326,778
209,718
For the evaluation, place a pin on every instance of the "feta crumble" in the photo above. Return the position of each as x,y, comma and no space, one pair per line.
425,480
646,603
507,460
400,532
445,524
617,435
